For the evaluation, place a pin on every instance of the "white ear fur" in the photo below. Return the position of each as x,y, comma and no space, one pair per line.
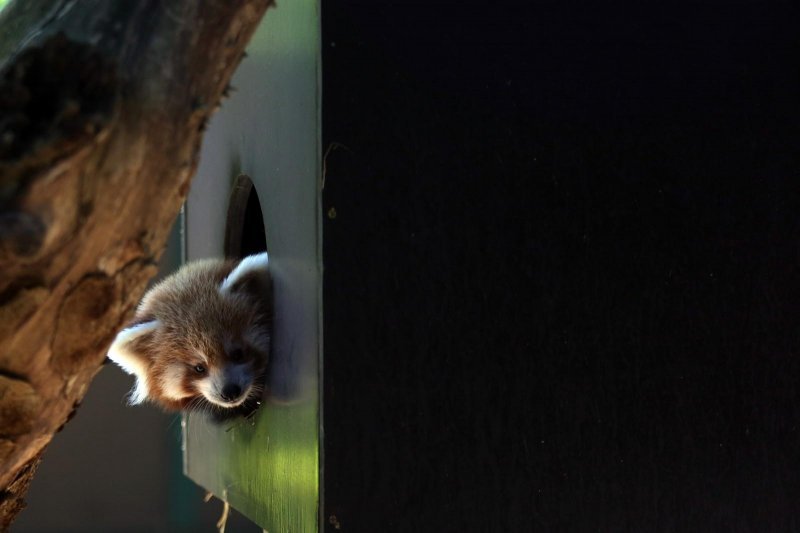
120,352
252,263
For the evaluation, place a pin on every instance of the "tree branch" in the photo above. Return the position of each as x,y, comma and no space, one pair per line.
102,108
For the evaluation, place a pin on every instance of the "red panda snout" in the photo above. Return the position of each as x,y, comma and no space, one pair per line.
229,385
231,392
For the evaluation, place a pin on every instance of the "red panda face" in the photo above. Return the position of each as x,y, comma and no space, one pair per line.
201,337
226,385
225,377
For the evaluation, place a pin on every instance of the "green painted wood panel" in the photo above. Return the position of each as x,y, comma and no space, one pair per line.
268,467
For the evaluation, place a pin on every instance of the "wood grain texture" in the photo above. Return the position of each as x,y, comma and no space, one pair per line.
102,109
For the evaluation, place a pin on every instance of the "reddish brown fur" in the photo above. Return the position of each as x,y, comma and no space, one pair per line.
195,318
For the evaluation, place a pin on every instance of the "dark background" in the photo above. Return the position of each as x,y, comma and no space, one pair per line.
561,248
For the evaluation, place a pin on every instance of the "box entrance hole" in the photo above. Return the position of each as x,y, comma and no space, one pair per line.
244,229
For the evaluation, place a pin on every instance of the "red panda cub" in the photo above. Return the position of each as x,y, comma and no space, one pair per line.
200,338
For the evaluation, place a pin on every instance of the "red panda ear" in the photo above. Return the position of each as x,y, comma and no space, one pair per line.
126,351
250,275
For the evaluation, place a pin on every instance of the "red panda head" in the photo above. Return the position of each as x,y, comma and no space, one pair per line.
201,336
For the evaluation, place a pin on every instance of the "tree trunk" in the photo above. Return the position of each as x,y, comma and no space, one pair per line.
102,108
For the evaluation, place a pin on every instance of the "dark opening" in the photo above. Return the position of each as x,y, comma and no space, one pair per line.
244,229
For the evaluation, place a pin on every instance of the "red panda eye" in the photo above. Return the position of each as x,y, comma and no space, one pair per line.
200,369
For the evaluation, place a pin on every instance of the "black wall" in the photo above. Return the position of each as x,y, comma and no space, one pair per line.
562,266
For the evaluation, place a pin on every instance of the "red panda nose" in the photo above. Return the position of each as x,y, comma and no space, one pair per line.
230,392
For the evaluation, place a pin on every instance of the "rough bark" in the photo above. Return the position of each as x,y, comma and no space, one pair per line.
102,108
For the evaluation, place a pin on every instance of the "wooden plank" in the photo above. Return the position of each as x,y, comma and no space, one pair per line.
561,259
269,130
